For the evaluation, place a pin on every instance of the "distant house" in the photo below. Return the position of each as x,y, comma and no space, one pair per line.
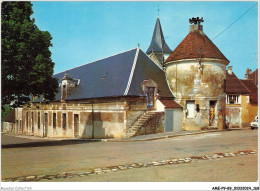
8,124
251,105
241,100
252,76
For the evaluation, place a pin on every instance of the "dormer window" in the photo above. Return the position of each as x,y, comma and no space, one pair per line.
68,85
233,99
150,88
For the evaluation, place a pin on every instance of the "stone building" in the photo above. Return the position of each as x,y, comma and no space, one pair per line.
113,97
196,73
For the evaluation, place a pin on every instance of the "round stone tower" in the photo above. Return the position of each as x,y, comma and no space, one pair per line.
196,74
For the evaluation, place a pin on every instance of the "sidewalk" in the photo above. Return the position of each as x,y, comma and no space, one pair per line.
165,135
26,141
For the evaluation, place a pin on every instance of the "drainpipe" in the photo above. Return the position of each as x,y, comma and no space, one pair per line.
43,125
92,121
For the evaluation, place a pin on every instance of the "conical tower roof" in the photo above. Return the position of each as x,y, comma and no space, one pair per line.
158,40
196,45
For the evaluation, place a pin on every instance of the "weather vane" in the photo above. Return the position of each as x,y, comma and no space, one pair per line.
196,20
158,10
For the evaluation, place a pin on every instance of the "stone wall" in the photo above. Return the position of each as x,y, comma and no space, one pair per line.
135,109
103,118
8,127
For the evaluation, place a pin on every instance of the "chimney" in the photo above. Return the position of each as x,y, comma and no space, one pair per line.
230,70
248,73
196,24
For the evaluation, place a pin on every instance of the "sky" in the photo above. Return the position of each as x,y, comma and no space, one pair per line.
83,32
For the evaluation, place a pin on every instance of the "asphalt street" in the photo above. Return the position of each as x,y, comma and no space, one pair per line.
57,158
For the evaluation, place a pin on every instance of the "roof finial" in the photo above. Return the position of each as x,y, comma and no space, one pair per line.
138,45
158,10
66,76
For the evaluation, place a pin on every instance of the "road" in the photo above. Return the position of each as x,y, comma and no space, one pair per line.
53,159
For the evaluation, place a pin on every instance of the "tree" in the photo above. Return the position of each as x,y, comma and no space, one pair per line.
5,110
27,67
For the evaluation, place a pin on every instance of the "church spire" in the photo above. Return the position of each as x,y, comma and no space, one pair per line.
158,45
158,40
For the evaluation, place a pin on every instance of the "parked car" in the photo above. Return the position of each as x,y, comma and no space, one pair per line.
254,124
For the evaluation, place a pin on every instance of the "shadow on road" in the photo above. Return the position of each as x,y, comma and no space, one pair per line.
47,143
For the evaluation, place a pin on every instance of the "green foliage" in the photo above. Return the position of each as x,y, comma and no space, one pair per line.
27,67
4,111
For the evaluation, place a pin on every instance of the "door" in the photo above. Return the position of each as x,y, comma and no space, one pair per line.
190,109
76,126
45,127
150,97
169,120
212,111
234,116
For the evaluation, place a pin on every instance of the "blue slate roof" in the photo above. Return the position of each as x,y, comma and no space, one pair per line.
118,75
158,40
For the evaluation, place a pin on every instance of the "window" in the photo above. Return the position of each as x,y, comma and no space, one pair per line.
190,109
20,124
64,121
150,88
54,120
63,91
233,99
32,123
150,97
27,120
39,122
